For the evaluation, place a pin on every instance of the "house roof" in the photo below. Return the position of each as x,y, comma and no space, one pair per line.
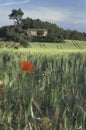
36,29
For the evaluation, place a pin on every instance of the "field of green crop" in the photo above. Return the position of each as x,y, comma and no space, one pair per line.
53,97
69,44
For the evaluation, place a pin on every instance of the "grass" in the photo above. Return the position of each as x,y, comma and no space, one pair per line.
51,98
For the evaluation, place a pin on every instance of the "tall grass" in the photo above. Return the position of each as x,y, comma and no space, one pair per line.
52,98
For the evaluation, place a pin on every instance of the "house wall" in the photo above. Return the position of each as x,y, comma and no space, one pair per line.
45,33
33,32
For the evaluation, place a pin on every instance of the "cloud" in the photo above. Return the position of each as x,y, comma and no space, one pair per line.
67,18
12,2
56,15
5,19
45,13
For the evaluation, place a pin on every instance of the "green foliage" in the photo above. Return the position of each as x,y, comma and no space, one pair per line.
23,42
14,33
74,35
16,15
40,32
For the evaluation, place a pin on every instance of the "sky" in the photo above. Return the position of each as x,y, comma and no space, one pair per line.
67,14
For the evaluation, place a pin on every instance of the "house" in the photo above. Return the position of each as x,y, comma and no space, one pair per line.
34,32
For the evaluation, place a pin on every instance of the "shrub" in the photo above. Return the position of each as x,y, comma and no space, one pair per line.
24,42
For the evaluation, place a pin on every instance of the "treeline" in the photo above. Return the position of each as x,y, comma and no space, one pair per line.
54,32
14,33
18,31
74,35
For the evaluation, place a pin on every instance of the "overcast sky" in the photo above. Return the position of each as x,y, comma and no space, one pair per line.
68,14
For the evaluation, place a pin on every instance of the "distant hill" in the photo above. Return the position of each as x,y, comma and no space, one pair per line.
53,29
18,33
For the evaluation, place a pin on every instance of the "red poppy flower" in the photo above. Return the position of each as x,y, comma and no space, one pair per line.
27,66
1,90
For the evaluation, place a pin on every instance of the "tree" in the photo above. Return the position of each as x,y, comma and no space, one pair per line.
16,15
40,32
